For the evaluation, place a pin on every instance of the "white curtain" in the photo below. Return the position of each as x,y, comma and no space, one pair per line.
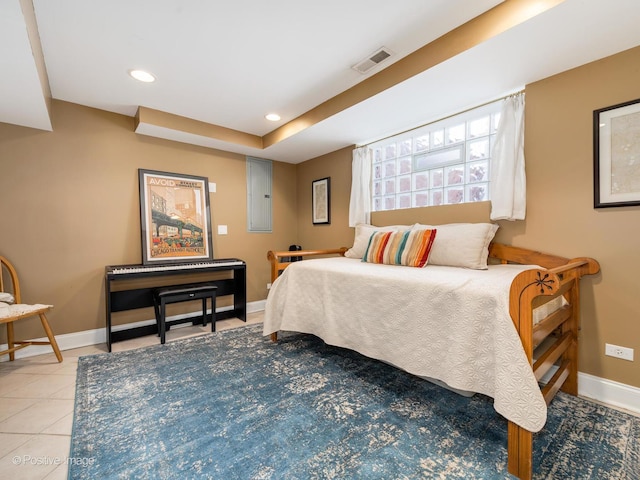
360,203
508,180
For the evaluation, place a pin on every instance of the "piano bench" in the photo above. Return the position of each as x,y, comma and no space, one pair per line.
183,293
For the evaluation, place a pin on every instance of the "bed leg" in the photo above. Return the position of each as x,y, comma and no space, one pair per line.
520,451
274,337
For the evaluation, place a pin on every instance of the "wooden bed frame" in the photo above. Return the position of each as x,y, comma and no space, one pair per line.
530,289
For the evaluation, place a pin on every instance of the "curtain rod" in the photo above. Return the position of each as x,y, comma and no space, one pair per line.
443,118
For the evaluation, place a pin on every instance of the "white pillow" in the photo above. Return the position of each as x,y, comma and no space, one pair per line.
461,244
6,297
364,232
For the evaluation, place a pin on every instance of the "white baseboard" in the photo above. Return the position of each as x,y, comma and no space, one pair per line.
257,306
602,390
610,392
69,341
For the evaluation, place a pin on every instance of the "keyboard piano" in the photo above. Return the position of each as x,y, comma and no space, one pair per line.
181,267
122,292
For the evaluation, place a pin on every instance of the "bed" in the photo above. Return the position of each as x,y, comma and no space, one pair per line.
452,320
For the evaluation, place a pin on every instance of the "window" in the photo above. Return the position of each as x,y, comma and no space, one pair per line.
443,163
258,195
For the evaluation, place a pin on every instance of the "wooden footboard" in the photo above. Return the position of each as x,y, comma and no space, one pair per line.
556,335
558,331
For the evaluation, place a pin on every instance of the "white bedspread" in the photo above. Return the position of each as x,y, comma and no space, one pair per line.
447,323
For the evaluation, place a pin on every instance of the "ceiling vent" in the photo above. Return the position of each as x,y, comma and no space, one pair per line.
372,60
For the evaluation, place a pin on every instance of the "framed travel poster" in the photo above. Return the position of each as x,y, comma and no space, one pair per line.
174,218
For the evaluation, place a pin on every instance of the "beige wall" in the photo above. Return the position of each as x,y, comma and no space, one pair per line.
70,206
337,233
560,214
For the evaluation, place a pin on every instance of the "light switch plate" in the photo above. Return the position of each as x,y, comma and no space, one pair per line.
222,229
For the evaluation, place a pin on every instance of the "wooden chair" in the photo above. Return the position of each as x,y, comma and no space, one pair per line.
18,311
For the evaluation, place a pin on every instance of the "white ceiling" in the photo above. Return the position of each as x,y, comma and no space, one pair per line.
229,62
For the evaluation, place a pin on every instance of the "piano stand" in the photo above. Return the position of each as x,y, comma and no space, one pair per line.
129,287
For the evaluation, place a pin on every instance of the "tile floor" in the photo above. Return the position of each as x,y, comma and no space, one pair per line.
37,399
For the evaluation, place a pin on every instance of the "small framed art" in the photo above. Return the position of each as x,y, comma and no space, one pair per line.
321,201
616,168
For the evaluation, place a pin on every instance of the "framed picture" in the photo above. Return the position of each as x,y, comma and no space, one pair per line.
616,134
321,201
174,218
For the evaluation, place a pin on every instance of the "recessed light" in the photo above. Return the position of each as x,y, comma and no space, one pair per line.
272,117
142,76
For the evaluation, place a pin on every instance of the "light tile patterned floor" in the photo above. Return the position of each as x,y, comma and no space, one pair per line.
36,405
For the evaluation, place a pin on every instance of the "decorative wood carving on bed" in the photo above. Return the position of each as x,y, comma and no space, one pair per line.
530,289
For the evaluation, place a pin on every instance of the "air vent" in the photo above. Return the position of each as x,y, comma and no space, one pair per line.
372,60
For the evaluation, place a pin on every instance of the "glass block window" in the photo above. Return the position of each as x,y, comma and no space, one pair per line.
443,163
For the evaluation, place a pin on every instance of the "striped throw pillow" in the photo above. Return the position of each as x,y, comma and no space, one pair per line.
410,248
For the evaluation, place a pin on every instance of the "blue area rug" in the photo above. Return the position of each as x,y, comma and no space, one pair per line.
234,405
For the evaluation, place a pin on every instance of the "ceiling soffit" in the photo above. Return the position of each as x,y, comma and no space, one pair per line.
471,34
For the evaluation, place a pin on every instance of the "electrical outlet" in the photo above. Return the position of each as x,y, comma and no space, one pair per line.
268,286
618,352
